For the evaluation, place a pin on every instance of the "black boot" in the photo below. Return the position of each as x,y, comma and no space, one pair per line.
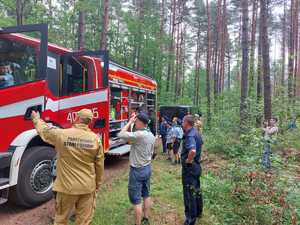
186,222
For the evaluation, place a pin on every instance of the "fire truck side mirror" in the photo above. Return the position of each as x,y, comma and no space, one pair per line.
37,108
99,123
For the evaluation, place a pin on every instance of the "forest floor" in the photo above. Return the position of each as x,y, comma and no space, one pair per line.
114,208
235,193
42,215
228,199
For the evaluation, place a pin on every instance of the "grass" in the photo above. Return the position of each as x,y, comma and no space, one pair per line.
113,207
234,194
236,191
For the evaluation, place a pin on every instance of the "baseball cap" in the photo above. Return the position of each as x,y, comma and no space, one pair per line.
85,114
143,117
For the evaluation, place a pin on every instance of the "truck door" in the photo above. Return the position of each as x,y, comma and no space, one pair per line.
84,85
23,65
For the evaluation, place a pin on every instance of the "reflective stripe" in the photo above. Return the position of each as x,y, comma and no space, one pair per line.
19,108
54,106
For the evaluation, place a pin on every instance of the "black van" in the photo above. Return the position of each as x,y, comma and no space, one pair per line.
179,111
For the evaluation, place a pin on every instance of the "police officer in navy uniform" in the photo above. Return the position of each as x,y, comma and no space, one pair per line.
191,171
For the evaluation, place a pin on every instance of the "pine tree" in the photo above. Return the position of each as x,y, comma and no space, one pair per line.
265,59
105,20
245,60
208,64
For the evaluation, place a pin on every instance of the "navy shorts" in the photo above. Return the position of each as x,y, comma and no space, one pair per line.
176,146
139,184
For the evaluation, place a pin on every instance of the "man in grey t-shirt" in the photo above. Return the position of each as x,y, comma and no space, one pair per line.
142,148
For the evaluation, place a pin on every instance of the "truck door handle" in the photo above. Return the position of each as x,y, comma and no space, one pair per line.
37,108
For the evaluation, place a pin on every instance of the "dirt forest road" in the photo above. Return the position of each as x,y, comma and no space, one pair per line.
12,215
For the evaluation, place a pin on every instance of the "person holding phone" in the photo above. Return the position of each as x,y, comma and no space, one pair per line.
142,150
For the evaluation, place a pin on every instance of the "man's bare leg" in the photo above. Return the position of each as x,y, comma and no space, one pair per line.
138,212
169,155
147,207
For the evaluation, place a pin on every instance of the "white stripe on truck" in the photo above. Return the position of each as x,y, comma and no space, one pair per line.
19,108
87,99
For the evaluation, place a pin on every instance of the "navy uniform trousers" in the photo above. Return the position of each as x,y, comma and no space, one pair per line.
192,195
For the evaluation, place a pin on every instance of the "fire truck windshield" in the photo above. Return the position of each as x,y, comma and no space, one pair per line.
18,62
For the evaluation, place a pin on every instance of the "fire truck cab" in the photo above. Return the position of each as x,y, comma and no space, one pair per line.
57,82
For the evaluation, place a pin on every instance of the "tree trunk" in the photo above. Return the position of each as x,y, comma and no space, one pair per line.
252,51
20,4
259,79
238,78
105,20
50,14
291,52
197,62
141,10
162,22
208,62
177,53
171,46
228,72
161,43
245,59
265,59
81,31
283,46
296,30
297,77
224,39
183,61
215,72
217,52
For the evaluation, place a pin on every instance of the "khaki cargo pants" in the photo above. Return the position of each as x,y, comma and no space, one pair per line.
84,206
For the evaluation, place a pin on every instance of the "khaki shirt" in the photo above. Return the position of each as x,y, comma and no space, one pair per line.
80,157
198,125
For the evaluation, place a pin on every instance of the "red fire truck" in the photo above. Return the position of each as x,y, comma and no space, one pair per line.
57,82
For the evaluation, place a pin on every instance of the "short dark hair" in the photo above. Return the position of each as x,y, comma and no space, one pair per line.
143,117
190,120
274,118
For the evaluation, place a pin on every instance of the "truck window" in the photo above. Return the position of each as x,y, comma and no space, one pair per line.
76,77
18,63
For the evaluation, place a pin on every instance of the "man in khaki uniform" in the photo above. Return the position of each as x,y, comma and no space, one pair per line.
198,123
80,166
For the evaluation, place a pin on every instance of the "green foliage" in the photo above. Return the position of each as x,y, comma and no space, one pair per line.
242,193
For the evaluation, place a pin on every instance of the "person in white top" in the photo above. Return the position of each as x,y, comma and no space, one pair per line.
270,131
6,77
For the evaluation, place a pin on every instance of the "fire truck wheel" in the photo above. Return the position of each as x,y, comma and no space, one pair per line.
35,180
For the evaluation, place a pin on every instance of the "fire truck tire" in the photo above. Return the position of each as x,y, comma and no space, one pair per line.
35,180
